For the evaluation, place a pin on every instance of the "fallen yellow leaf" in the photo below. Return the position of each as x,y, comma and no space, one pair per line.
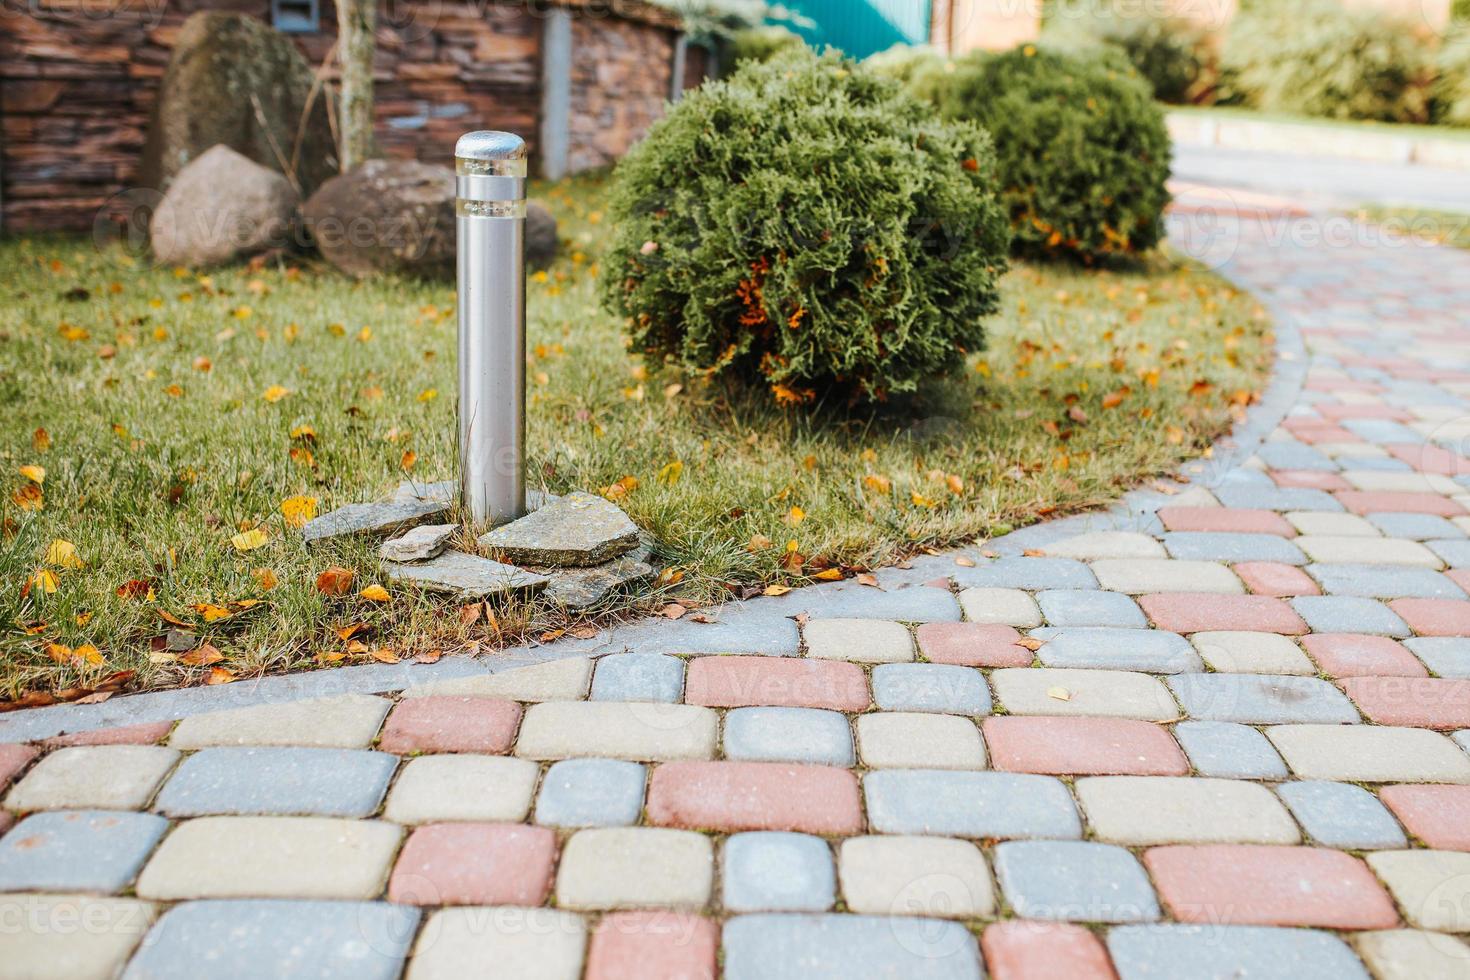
375,593
265,579
298,510
275,393
250,540
63,554
1059,693
45,580
36,474
775,590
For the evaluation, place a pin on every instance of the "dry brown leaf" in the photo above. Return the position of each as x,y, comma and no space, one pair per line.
335,581
672,611
218,675
384,656
868,579
1029,643
964,562
428,657
202,656
775,590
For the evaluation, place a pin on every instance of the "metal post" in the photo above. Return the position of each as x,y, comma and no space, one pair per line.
491,232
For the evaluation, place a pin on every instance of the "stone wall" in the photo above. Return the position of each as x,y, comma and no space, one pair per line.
78,80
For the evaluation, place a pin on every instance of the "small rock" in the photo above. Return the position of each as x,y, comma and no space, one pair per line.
465,575
179,641
576,530
222,206
577,589
418,544
383,518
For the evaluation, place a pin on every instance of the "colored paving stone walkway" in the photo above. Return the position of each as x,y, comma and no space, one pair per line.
1236,743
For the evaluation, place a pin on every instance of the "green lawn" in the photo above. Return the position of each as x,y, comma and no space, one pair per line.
1440,227
173,412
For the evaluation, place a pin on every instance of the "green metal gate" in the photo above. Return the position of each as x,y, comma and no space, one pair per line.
863,27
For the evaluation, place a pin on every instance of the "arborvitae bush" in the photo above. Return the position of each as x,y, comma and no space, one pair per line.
1171,54
807,226
1080,143
1452,88
920,68
762,44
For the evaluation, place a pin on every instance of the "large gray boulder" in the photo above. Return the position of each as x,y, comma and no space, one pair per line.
222,207
233,80
386,216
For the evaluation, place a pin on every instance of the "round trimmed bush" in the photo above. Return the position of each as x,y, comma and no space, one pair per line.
1316,58
807,226
1452,89
762,44
1081,146
1170,54
920,68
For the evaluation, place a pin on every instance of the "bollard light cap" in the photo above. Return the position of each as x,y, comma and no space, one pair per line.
490,145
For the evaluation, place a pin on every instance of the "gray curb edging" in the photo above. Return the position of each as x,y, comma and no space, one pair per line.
1338,142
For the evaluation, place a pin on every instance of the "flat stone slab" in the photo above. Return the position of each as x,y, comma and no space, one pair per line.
839,947
378,519
77,850
243,940
578,589
469,576
577,530
419,543
280,781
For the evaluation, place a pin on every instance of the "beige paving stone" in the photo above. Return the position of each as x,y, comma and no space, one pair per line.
492,943
1139,576
1370,754
638,732
1145,810
1365,449
1398,482
349,721
1412,954
1432,888
1366,551
96,777
1005,607
1107,544
913,740
69,937
924,876
635,868
462,787
1242,652
1194,497
1068,691
271,857
1463,523
862,641
567,679
1325,524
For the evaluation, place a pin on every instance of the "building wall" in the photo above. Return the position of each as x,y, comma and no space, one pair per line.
620,82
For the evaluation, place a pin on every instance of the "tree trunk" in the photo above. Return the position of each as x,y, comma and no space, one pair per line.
356,22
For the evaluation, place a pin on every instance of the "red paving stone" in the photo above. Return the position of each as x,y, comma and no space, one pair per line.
1361,655
655,945
14,758
145,734
1310,479
1274,578
1226,519
1415,702
7,820
1400,502
735,682
1365,411
735,796
1244,884
1460,576
451,724
1312,435
1029,950
474,864
973,645
1191,612
1083,746
1429,458
1434,617
1437,815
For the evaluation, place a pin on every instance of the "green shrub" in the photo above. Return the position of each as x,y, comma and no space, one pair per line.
920,68
1316,58
1081,144
762,44
1171,54
807,226
1452,88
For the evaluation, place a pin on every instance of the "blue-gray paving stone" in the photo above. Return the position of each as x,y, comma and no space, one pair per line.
1417,527
77,850
941,688
1342,815
1294,456
1463,737
1456,553
770,871
1447,656
1259,699
911,604
1229,750
1232,547
742,631
1384,581
1349,614
1244,476
844,947
591,793
788,735
278,781
1386,464
1215,952
970,804
1090,607
1024,572
1155,651
248,939
638,677
1382,431
1278,498
1074,881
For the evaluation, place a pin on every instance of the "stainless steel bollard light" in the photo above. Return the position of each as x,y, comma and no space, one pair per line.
490,227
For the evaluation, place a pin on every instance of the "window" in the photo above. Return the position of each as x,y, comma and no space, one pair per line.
295,16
